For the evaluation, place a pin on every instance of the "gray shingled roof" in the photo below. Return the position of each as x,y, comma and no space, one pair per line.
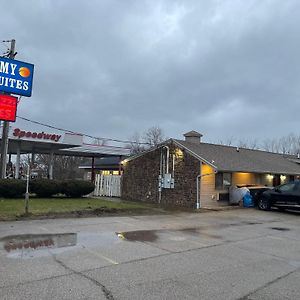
227,158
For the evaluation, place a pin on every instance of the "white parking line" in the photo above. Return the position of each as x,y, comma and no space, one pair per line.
102,256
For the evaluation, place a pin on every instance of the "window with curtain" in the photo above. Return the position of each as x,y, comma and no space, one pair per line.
223,181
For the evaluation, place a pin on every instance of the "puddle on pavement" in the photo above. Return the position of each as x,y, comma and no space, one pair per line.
198,231
38,245
280,228
153,235
139,236
242,223
250,223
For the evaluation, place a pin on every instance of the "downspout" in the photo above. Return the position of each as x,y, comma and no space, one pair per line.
161,171
159,178
198,191
198,203
173,167
168,156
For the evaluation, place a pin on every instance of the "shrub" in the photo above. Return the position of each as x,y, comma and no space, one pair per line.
77,188
12,188
44,187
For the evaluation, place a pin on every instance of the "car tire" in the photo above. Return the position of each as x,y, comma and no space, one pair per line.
263,204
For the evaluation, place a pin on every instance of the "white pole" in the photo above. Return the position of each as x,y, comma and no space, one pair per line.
198,197
51,161
17,169
27,189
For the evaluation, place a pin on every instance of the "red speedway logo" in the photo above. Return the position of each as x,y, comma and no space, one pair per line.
36,135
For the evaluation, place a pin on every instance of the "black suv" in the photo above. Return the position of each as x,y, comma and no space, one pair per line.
283,196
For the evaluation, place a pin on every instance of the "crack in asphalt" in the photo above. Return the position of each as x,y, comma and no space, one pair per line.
246,297
35,280
107,293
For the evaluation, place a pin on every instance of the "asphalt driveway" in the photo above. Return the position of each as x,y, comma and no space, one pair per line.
235,254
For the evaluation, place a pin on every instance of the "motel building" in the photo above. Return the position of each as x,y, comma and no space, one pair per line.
21,141
191,173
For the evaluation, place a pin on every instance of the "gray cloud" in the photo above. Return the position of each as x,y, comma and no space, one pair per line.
110,68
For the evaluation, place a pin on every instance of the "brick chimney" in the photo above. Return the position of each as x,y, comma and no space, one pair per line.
193,137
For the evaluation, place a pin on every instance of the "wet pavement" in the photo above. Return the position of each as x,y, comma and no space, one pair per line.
238,254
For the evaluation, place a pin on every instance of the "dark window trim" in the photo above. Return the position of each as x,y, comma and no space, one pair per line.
219,177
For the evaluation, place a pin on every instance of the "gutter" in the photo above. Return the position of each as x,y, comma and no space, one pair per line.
151,149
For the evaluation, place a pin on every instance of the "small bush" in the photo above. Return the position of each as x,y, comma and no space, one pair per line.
45,188
12,188
77,188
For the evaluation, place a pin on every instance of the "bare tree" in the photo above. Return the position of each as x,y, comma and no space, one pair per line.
64,167
136,145
67,167
269,145
228,142
249,144
242,143
151,137
154,136
297,145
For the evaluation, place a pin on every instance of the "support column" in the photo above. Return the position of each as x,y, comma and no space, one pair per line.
17,169
93,170
32,158
120,165
51,162
10,166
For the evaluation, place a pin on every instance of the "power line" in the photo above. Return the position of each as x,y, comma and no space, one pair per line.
84,134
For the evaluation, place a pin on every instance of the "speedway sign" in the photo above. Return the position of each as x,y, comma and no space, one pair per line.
8,108
16,77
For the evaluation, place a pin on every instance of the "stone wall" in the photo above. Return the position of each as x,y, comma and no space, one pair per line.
140,179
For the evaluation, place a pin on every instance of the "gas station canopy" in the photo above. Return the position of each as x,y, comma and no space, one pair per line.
70,144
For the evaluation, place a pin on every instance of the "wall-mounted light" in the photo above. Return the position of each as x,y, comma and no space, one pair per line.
282,177
178,153
270,176
124,162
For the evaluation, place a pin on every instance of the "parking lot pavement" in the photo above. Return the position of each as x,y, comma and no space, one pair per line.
235,254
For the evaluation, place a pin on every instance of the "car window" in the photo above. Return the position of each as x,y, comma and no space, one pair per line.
287,187
297,188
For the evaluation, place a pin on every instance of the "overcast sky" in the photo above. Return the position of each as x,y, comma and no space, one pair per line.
113,67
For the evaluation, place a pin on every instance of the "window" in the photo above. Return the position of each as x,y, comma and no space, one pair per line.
223,181
289,187
297,188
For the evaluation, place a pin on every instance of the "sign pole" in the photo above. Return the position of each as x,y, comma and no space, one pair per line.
4,144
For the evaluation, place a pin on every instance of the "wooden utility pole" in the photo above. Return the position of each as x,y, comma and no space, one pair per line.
4,143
